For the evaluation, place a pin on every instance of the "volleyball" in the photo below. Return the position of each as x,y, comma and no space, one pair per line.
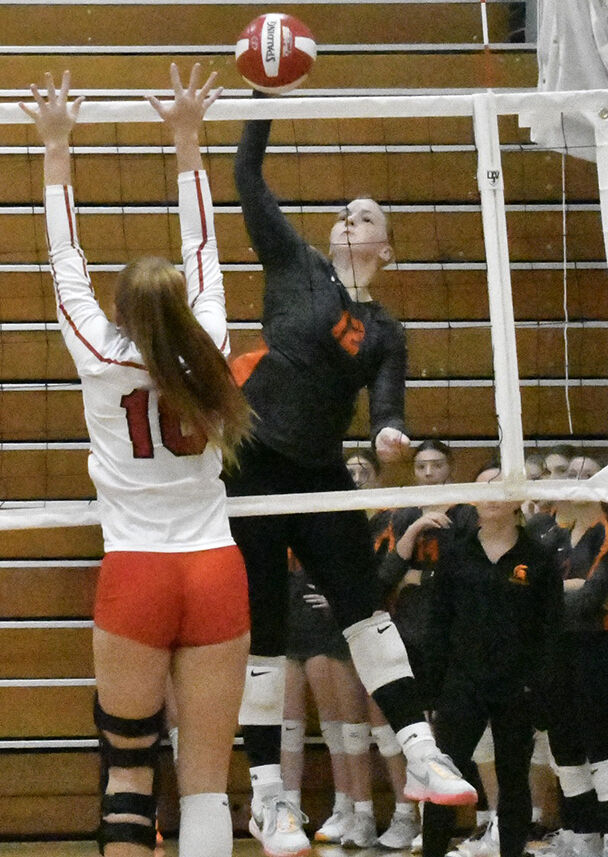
275,53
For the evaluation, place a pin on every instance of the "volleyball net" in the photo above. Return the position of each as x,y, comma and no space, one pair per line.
499,276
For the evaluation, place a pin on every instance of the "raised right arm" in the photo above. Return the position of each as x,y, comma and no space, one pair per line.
183,117
272,236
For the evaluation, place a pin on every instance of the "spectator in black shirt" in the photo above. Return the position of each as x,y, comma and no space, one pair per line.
495,616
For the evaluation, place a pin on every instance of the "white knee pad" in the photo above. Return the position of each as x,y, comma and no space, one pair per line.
331,730
356,738
292,735
599,777
575,779
386,741
205,828
484,752
264,694
377,651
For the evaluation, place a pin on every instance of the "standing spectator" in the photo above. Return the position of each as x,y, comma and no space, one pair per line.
495,616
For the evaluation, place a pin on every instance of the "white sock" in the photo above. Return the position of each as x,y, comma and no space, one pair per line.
482,816
407,808
294,796
365,807
342,803
174,739
266,781
416,740
205,828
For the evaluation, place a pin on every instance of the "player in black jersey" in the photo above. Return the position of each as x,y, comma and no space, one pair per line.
325,339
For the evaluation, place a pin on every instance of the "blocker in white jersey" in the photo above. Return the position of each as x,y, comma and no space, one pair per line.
162,408
158,487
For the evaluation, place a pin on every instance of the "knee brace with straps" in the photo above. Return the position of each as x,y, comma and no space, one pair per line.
128,803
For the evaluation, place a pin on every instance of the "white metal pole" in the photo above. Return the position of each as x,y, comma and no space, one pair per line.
506,375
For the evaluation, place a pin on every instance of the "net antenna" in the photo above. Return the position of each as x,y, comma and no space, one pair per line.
484,108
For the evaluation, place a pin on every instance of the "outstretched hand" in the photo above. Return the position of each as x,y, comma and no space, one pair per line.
53,116
185,113
391,445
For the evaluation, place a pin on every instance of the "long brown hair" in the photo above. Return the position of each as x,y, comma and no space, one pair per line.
182,359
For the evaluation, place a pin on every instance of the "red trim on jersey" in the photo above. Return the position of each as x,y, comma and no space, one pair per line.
68,318
201,209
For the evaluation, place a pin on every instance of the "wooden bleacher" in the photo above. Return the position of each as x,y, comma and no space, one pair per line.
49,575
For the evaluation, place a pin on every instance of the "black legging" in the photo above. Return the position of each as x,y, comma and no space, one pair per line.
462,714
577,715
335,548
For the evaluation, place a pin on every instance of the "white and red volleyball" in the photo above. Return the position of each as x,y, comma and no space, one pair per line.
275,53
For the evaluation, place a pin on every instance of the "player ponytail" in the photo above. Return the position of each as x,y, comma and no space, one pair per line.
182,359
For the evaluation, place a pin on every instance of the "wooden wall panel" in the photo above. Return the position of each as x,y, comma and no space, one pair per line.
48,712
454,411
432,235
52,543
164,24
457,352
46,653
415,177
414,295
331,71
47,592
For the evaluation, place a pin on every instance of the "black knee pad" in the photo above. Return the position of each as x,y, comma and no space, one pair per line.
137,757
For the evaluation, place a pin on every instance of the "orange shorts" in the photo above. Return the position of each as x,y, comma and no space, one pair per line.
169,600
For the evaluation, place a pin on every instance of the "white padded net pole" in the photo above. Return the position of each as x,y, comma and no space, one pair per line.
506,374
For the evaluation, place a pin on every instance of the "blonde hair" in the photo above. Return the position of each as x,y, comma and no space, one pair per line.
182,359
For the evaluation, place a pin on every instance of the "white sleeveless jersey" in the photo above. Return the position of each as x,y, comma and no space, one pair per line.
572,55
152,496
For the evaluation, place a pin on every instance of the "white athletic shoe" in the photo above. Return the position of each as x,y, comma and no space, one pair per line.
484,842
416,846
588,845
361,833
566,843
400,833
279,828
436,778
335,827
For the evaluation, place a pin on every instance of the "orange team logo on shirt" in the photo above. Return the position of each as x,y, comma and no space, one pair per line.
349,332
385,539
427,551
520,575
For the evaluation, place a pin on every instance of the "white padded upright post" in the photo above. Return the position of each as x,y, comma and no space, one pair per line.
506,374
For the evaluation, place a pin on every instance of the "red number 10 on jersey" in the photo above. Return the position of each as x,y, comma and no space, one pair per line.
172,434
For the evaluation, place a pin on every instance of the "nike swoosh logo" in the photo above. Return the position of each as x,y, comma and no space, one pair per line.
594,770
382,630
259,672
290,728
424,779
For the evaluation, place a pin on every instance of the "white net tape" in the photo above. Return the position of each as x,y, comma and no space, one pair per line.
485,109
